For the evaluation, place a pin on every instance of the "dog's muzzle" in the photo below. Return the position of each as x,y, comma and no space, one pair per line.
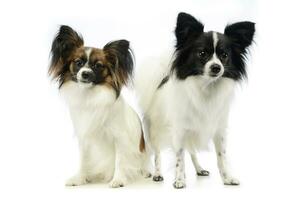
215,70
86,76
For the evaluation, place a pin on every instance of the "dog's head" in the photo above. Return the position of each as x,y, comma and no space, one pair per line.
72,61
211,54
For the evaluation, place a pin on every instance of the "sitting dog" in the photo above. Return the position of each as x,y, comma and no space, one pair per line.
109,131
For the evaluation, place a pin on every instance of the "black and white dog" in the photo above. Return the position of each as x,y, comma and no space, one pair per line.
185,96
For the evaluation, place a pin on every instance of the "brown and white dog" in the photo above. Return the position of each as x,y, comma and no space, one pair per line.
109,131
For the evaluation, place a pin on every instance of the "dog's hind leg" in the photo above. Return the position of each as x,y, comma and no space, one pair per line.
200,171
157,161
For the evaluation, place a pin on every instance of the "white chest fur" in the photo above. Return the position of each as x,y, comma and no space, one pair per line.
89,107
108,131
191,110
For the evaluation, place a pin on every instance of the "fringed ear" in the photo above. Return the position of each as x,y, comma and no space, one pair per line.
119,54
116,82
187,28
241,35
64,43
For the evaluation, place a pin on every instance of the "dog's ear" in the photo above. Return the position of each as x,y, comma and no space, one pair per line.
119,54
241,34
64,43
187,28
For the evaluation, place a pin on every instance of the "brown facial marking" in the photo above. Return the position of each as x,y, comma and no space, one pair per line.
101,66
77,54
111,65
108,73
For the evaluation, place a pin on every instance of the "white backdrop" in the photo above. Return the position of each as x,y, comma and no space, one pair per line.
38,150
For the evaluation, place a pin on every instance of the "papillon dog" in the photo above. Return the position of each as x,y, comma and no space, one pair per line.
109,131
185,96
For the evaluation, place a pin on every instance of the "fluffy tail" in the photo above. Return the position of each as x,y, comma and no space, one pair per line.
148,76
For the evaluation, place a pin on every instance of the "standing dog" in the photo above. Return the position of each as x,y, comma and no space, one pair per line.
110,134
186,97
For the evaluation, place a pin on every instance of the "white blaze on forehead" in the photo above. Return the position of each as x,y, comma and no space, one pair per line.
86,67
215,40
214,59
88,52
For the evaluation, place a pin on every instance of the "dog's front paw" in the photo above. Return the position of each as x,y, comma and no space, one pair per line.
146,174
76,180
179,184
230,181
116,183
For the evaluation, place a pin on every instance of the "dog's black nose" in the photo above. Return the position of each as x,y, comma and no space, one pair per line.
86,75
215,68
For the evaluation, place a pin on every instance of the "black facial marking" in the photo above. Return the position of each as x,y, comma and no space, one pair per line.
191,59
100,70
194,48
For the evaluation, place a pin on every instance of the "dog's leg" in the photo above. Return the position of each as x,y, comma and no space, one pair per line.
145,173
145,166
180,171
78,179
81,177
119,179
157,174
220,146
200,171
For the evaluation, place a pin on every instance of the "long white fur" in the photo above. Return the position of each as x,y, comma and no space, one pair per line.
185,114
109,133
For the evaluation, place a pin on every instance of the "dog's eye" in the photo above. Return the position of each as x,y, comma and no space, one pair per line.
224,55
201,54
79,62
